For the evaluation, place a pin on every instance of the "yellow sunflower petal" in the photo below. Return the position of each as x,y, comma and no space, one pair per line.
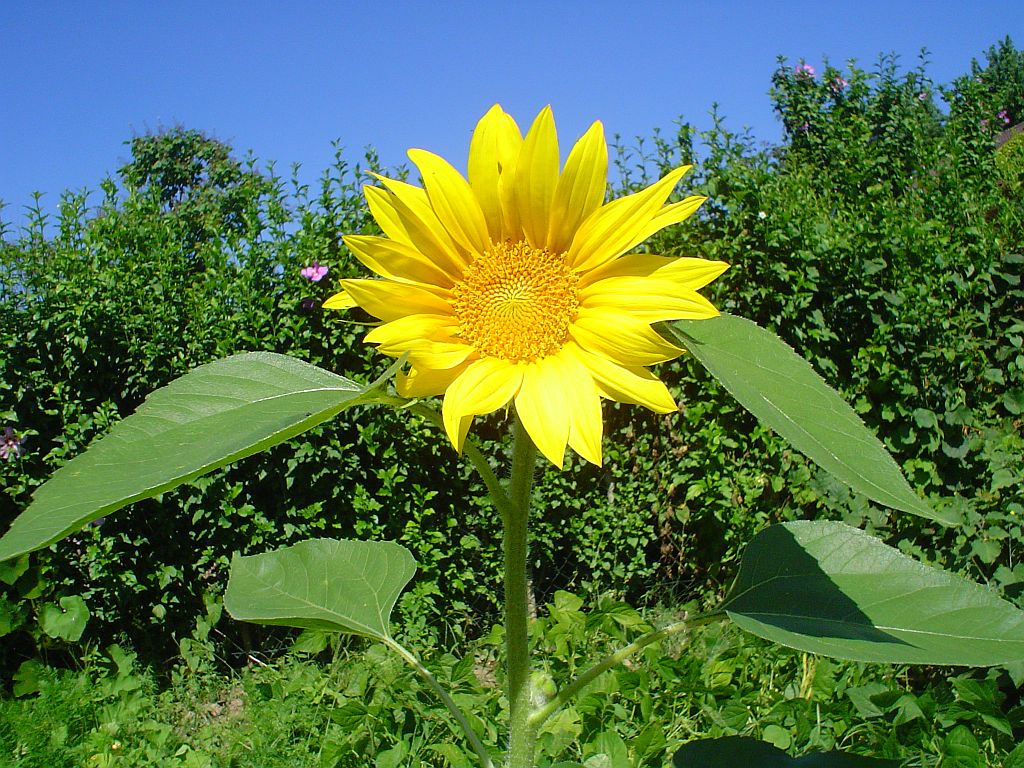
390,301
430,341
584,406
423,229
484,386
462,432
537,178
379,202
650,299
669,215
410,329
493,151
613,229
620,337
580,189
626,384
396,261
687,271
691,272
543,405
340,300
452,200
427,382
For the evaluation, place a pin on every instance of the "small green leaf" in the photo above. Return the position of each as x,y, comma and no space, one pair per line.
28,677
730,751
12,570
785,393
212,416
10,617
828,588
311,641
1013,400
777,736
66,622
337,586
1016,758
961,749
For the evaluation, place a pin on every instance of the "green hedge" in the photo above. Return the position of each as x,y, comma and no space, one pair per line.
876,239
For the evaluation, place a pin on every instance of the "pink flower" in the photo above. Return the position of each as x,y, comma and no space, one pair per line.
1004,116
316,272
923,96
10,445
838,83
804,70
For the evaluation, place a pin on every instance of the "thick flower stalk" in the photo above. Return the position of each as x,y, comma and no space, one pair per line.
516,285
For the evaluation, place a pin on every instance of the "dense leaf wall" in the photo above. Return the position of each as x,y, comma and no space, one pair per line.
879,239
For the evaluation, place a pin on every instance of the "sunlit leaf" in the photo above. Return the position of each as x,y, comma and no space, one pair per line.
66,621
337,586
785,393
216,414
827,588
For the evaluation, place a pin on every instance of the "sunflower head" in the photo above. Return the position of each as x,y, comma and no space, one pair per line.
515,284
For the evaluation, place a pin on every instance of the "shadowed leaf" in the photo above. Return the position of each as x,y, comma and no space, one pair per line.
828,588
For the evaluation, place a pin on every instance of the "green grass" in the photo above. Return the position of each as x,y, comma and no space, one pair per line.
363,707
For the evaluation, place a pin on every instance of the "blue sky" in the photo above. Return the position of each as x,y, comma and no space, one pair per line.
77,79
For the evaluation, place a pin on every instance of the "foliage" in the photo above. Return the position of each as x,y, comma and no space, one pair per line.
876,241
112,712
879,244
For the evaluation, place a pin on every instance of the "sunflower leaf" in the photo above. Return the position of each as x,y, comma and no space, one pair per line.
827,588
322,584
211,416
785,393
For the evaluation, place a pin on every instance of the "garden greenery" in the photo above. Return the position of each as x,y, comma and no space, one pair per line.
882,241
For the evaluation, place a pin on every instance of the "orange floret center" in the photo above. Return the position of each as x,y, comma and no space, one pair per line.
516,302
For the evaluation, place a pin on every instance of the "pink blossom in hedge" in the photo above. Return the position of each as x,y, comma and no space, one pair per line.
315,272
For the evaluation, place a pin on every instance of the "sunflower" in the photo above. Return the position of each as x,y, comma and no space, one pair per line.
516,285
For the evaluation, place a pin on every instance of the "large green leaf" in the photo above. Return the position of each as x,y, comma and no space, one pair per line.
730,751
338,586
211,416
828,588
785,393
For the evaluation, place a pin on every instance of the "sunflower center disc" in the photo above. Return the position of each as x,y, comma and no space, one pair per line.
516,302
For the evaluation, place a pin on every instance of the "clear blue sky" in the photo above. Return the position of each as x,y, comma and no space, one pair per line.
77,79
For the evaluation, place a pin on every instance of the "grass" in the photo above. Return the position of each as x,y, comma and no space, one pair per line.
363,707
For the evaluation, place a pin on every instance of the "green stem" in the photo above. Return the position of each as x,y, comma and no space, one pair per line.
513,505
517,648
539,716
411,660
